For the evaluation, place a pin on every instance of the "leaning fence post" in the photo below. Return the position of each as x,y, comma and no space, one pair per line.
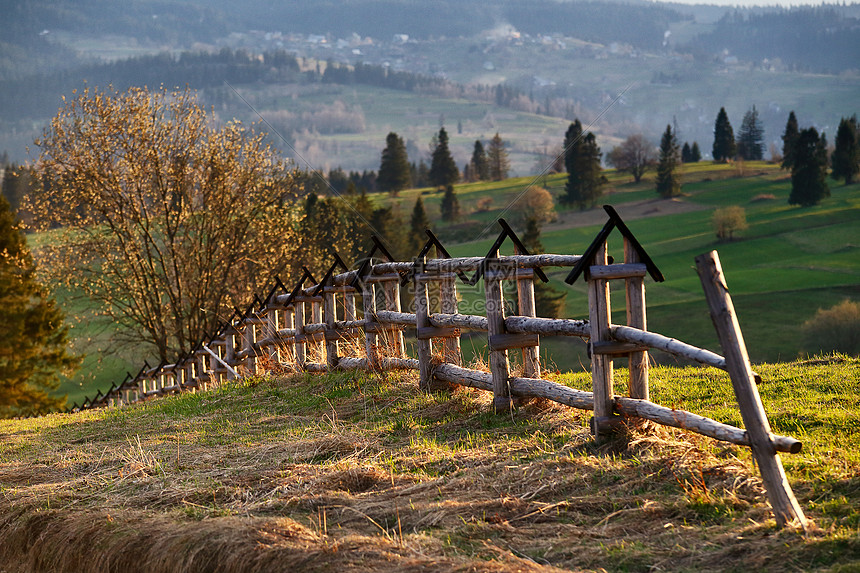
423,345
299,338
786,509
448,305
499,367
331,335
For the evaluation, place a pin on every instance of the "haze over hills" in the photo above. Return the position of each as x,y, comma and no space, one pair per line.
673,63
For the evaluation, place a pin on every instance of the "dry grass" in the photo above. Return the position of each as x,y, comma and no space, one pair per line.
366,474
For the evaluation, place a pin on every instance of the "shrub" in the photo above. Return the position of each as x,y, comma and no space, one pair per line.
834,329
728,220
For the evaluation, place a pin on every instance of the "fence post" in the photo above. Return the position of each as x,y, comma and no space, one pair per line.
786,509
526,303
391,291
331,335
448,305
368,297
423,346
495,304
601,364
248,346
317,318
299,337
229,347
272,325
637,361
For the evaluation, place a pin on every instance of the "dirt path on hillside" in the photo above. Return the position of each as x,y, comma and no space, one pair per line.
627,211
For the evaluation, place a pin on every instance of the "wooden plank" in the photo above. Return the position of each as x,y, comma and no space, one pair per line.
507,341
616,348
451,352
424,345
330,334
427,332
786,509
368,297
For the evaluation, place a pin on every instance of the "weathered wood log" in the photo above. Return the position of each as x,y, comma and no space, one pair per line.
329,315
368,297
448,305
618,271
464,376
349,363
390,317
463,321
391,293
785,506
695,423
666,344
548,326
424,345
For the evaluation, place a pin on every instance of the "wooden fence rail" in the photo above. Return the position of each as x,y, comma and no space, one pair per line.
316,328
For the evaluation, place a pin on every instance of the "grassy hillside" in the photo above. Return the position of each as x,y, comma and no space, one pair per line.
365,473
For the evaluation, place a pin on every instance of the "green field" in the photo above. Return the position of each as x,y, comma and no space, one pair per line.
789,263
366,473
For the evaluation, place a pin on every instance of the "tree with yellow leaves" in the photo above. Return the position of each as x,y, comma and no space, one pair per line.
166,219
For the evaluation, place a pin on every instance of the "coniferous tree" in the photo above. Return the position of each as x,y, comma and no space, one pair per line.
809,169
443,169
750,143
417,223
789,141
846,155
34,351
686,153
450,205
497,158
480,166
394,173
724,138
695,153
585,175
668,180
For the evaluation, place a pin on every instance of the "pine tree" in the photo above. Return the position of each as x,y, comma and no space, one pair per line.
724,138
582,160
846,155
443,169
809,169
497,158
450,205
695,153
668,180
34,351
417,224
789,141
394,172
750,143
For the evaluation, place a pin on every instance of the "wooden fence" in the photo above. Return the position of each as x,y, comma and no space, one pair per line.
316,327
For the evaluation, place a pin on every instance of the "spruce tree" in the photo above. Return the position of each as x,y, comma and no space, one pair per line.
695,153
724,138
480,166
668,180
394,172
497,158
443,169
450,205
750,144
686,153
789,141
846,155
585,175
35,342
417,224
809,169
